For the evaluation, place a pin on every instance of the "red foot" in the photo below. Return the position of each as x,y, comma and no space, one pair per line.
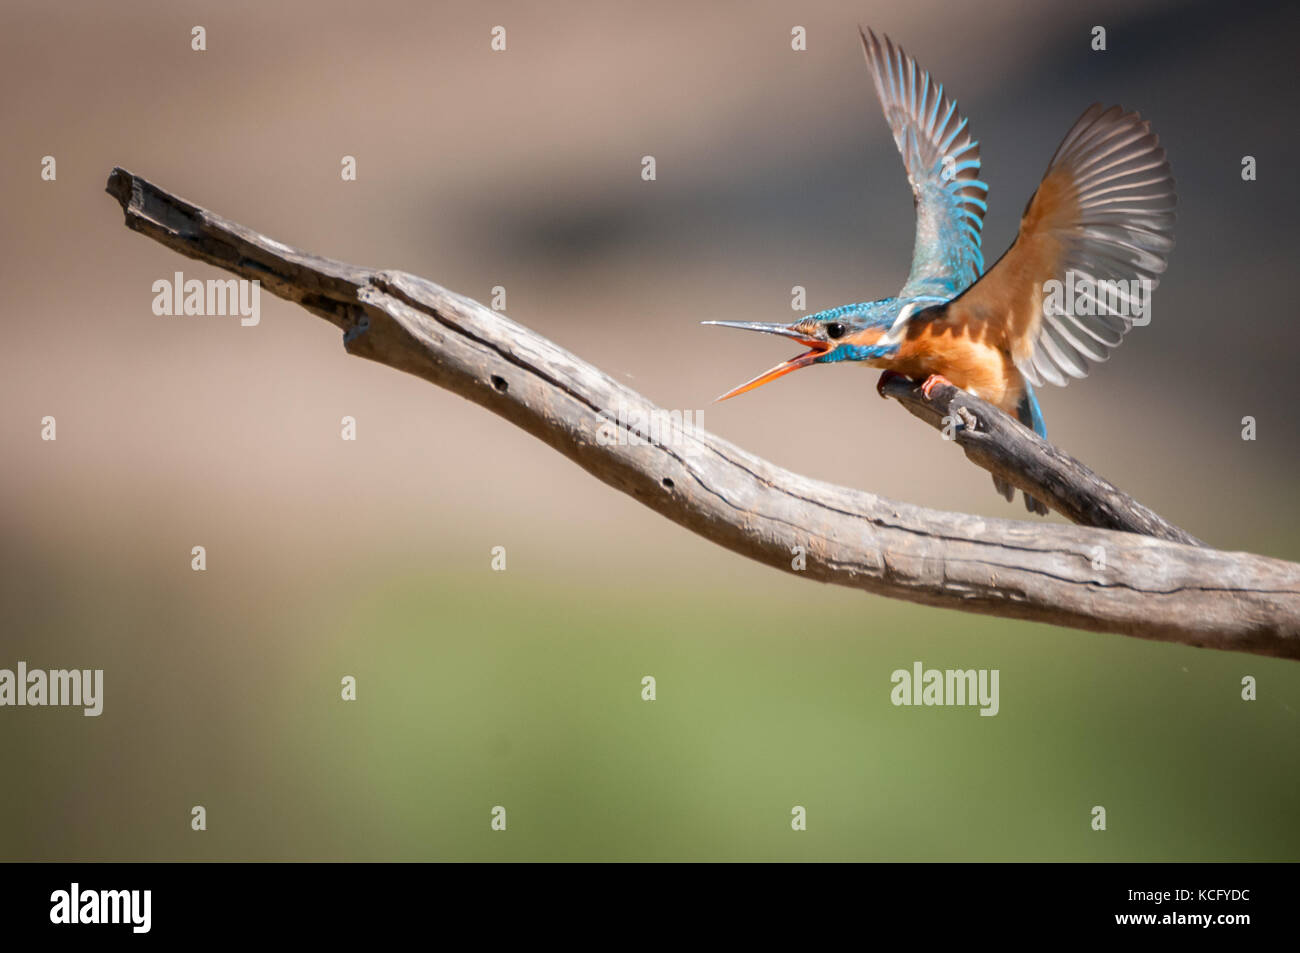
933,381
885,378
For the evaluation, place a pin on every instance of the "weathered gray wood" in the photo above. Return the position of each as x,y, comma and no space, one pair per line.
1087,578
1007,448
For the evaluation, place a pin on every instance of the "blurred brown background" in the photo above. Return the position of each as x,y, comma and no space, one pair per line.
522,169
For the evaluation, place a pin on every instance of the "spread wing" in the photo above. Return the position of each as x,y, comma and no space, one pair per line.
1093,240
942,163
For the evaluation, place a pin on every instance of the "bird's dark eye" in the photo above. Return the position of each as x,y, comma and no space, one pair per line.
835,330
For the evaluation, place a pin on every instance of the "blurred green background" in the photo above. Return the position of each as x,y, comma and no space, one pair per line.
372,559
523,690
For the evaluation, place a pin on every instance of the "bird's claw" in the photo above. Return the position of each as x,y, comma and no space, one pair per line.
933,381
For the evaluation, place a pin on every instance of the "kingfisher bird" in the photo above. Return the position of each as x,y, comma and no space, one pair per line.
1093,239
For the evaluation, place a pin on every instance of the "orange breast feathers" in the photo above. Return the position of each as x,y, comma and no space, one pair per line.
970,354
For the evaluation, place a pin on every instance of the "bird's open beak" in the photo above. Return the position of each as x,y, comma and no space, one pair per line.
817,349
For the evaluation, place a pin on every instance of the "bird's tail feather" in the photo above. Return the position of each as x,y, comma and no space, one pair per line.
1031,415
1008,491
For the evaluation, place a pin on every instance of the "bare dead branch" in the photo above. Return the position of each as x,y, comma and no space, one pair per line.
1088,578
1009,449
